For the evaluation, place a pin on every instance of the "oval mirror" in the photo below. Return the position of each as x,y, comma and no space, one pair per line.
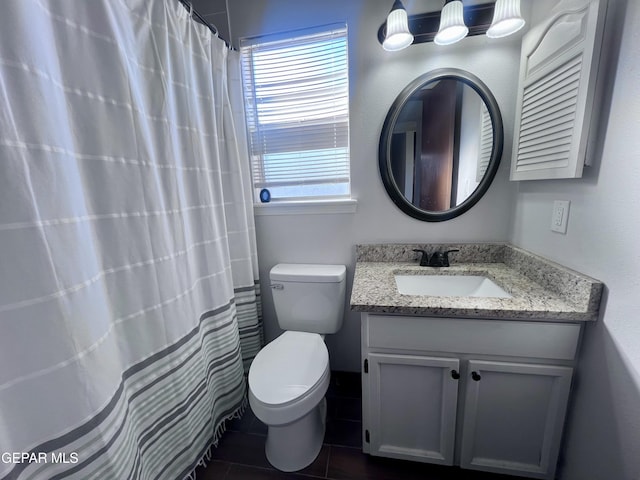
441,145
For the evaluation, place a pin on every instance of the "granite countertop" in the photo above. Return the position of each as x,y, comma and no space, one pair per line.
539,289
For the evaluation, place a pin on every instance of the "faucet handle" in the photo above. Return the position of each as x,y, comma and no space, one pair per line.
445,256
424,258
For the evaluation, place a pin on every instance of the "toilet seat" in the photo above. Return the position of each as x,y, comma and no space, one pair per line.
287,368
288,377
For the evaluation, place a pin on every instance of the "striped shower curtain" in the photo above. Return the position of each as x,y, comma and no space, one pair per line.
129,303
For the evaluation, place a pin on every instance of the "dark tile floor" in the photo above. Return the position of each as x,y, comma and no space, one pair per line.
240,453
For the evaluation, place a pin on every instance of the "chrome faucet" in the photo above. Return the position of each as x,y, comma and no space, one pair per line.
438,259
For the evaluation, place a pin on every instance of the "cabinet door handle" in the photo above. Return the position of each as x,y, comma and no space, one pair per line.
455,374
476,376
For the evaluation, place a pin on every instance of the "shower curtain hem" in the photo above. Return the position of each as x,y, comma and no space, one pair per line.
206,457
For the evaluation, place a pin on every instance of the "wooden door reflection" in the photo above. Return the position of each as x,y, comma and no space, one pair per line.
436,165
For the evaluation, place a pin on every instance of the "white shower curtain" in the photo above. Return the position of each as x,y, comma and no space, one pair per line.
129,303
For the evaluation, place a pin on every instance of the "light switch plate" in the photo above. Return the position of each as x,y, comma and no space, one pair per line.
559,216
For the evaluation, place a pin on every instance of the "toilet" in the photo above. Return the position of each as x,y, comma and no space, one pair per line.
289,377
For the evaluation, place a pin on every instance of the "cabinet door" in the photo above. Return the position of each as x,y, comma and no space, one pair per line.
513,417
412,407
557,89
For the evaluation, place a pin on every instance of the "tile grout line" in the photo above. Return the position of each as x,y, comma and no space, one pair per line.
227,472
326,470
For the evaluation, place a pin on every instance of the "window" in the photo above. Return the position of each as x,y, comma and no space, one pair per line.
296,93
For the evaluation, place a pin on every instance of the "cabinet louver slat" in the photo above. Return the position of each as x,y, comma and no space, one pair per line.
486,142
552,102
558,71
544,86
551,98
551,161
551,133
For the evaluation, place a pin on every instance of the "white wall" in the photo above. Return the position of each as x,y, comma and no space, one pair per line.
376,78
602,440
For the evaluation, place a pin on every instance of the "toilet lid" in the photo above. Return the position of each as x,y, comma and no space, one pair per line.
288,367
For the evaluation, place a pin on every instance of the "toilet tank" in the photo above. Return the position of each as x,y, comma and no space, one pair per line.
309,298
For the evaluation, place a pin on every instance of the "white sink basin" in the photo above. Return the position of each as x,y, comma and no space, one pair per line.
449,286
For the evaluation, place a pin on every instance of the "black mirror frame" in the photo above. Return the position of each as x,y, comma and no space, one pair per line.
384,154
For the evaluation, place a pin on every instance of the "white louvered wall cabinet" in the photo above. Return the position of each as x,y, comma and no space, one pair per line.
557,94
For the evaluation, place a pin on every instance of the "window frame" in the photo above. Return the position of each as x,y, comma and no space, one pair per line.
305,203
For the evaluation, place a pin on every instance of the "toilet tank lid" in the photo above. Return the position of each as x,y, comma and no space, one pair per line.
305,272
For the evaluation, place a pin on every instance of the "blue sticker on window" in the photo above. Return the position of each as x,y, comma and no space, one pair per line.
265,195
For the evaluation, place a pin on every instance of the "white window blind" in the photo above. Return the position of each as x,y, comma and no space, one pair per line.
297,107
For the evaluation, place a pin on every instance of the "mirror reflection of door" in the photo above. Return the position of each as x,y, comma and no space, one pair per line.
403,148
437,163
441,144
424,143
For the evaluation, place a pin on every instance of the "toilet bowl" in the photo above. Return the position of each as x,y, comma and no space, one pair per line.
290,376
287,383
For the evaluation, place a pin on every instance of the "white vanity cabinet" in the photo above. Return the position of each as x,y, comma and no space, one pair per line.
482,394
513,417
412,407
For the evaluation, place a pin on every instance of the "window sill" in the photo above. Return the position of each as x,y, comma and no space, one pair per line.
309,207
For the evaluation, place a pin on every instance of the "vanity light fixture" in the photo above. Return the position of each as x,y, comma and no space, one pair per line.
452,24
506,19
452,27
398,35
